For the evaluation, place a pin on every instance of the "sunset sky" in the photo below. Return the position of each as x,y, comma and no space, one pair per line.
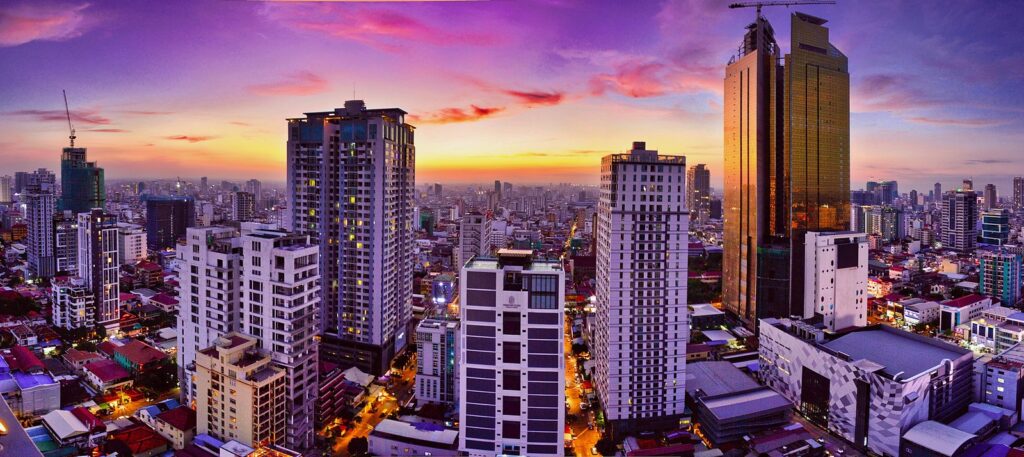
528,91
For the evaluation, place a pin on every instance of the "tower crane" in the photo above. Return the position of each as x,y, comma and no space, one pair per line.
787,3
68,111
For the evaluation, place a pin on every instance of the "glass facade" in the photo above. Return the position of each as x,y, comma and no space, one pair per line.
82,182
787,163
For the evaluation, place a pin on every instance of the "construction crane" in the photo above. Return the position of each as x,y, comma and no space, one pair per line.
759,5
68,111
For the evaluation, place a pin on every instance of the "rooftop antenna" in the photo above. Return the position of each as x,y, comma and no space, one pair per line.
68,111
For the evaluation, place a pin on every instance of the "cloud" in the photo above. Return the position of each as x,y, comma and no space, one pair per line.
146,112
296,84
41,21
189,138
890,92
452,115
381,28
634,79
987,161
536,98
108,130
88,117
957,122
243,124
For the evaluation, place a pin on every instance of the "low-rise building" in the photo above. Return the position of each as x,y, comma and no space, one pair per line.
729,405
918,311
958,311
178,426
106,374
396,438
999,380
866,385
136,356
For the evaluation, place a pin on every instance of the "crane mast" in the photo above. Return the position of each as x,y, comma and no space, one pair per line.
68,112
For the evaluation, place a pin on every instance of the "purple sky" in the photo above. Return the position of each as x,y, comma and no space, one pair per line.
524,90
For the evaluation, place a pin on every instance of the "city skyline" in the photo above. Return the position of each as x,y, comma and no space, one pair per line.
524,75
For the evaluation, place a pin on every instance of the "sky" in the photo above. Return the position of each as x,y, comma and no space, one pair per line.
527,91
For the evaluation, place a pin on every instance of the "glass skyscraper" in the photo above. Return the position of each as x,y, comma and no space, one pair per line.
82,184
167,219
787,163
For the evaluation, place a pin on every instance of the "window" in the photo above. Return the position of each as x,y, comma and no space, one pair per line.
510,353
510,405
510,380
512,323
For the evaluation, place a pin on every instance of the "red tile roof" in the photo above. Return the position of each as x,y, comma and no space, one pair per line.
75,355
182,418
107,370
140,353
165,299
966,300
140,438
22,358
88,419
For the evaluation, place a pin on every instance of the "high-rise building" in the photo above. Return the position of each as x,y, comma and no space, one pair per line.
938,192
131,243
474,237
20,181
995,227
351,183
74,304
837,279
243,206
913,198
888,191
204,184
991,199
497,188
65,243
167,218
209,278
98,265
513,356
39,198
1018,192
280,306
437,359
888,221
968,185
239,392
698,193
255,187
438,190
82,186
1000,274
959,216
6,188
642,324
787,163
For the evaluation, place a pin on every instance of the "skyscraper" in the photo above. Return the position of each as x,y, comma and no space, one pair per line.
888,191
1000,276
65,243
351,182
991,199
698,193
167,218
959,216
474,237
82,186
642,324
39,197
243,206
513,356
255,187
938,192
787,163
98,265
1018,192
6,188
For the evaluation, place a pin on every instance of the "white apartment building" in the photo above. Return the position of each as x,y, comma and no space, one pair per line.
836,278
474,237
351,178
642,325
98,266
280,298
209,275
512,367
74,305
437,351
65,243
131,243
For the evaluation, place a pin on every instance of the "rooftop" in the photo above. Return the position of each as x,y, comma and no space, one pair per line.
140,353
716,378
16,441
937,437
107,370
432,435
900,353
966,300
182,418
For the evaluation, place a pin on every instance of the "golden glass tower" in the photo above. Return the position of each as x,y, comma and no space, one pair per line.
787,163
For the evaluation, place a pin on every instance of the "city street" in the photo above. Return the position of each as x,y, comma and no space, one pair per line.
375,411
576,418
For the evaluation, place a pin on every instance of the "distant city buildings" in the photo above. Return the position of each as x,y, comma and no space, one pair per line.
959,219
698,193
1018,192
642,245
512,372
243,206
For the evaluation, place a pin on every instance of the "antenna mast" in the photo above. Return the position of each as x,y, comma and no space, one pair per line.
68,111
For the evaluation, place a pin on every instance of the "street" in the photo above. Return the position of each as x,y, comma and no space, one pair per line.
577,419
376,411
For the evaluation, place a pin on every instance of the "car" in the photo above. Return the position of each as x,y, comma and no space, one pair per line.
593,451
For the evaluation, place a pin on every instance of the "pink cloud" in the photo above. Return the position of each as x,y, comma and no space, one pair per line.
890,92
109,130
381,28
976,122
637,80
90,117
452,115
45,21
301,83
189,138
536,98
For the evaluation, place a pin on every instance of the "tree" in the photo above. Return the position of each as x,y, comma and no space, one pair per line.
160,379
358,446
578,348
